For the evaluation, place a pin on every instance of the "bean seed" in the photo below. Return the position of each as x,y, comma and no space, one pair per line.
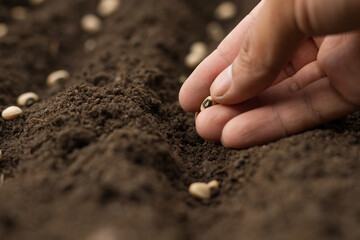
3,30
215,31
36,2
198,52
225,11
200,190
214,184
27,99
18,13
90,45
208,102
57,77
2,177
107,7
91,23
11,113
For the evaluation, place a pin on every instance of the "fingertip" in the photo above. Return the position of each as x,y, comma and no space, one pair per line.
186,101
207,127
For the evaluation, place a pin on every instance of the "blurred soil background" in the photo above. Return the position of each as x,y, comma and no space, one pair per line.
109,154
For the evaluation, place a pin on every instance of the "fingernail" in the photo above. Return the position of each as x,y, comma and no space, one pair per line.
222,83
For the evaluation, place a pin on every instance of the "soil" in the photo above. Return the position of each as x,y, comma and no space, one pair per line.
110,154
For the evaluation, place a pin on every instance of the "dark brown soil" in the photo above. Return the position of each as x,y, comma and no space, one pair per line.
110,153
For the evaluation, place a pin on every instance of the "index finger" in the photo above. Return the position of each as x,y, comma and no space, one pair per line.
197,86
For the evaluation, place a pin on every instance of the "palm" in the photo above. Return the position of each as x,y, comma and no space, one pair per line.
318,85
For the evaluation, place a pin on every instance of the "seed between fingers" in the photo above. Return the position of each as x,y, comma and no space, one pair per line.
208,102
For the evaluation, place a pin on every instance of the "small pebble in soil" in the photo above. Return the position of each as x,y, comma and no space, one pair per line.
36,2
3,30
27,99
202,190
91,23
226,11
18,13
107,7
198,52
11,113
208,102
215,31
89,45
57,77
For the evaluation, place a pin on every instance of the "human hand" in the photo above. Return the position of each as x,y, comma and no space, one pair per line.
279,72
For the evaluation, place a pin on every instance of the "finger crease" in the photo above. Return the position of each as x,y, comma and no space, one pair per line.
280,120
293,85
312,110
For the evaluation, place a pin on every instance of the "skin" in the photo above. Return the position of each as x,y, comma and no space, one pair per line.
289,66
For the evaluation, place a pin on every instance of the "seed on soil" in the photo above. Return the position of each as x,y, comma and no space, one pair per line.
200,190
3,30
57,77
89,45
198,52
91,23
36,2
27,99
11,113
2,177
226,11
182,79
208,102
107,7
18,13
214,184
215,31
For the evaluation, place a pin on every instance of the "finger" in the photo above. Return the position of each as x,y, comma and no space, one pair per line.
196,88
274,36
211,121
316,104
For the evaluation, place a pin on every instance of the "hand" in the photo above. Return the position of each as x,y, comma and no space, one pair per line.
279,72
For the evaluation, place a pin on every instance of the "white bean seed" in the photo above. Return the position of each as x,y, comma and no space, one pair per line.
214,184
91,23
225,11
3,30
198,52
89,45
11,113
200,190
107,7
18,13
57,77
27,99
215,31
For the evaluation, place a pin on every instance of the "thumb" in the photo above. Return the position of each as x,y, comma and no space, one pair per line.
280,27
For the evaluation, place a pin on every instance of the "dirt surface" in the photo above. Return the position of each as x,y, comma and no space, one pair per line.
109,154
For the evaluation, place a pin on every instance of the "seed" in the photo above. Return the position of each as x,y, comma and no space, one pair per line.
18,13
214,184
57,77
91,23
90,45
3,30
182,79
208,102
215,31
200,190
36,2
198,52
107,7
11,113
225,11
27,99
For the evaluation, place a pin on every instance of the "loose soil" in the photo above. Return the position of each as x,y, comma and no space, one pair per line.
109,154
